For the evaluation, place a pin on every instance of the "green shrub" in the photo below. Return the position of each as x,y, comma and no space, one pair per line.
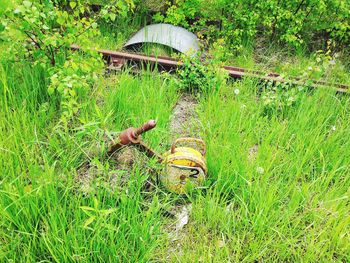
198,77
292,22
278,98
42,32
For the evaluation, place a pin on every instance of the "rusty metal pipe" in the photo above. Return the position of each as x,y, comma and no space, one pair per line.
149,152
132,136
145,127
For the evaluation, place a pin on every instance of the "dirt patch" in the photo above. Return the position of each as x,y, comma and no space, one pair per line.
112,171
123,162
184,121
85,175
125,158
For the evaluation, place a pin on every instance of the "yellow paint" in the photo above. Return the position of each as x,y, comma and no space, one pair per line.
177,175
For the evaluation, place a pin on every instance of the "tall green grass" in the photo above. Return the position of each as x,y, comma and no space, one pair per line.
288,202
44,217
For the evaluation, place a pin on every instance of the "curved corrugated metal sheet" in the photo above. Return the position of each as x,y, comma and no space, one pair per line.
176,37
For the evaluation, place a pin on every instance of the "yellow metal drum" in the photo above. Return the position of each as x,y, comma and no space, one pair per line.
185,167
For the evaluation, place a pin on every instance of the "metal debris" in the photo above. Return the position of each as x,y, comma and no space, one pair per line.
175,37
182,218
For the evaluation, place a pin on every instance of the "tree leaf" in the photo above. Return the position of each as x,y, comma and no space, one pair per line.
60,20
72,4
50,90
27,4
112,16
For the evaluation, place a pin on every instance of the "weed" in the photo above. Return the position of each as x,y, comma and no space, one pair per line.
198,77
278,98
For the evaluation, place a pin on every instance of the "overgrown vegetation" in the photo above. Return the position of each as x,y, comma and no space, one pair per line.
278,155
196,76
43,32
293,22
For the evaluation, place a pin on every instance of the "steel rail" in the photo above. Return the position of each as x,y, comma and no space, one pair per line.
118,59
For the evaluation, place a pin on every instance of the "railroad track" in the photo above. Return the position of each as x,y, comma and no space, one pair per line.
116,60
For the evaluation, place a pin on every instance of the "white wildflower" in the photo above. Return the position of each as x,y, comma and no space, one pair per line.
236,91
333,128
260,170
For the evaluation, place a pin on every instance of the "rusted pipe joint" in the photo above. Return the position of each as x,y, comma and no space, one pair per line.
132,136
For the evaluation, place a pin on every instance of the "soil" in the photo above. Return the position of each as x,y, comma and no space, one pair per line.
184,121
121,164
85,175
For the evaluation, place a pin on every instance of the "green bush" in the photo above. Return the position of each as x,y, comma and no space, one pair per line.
278,98
42,32
198,77
292,22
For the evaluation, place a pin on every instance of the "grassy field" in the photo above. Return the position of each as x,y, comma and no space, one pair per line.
278,185
278,165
